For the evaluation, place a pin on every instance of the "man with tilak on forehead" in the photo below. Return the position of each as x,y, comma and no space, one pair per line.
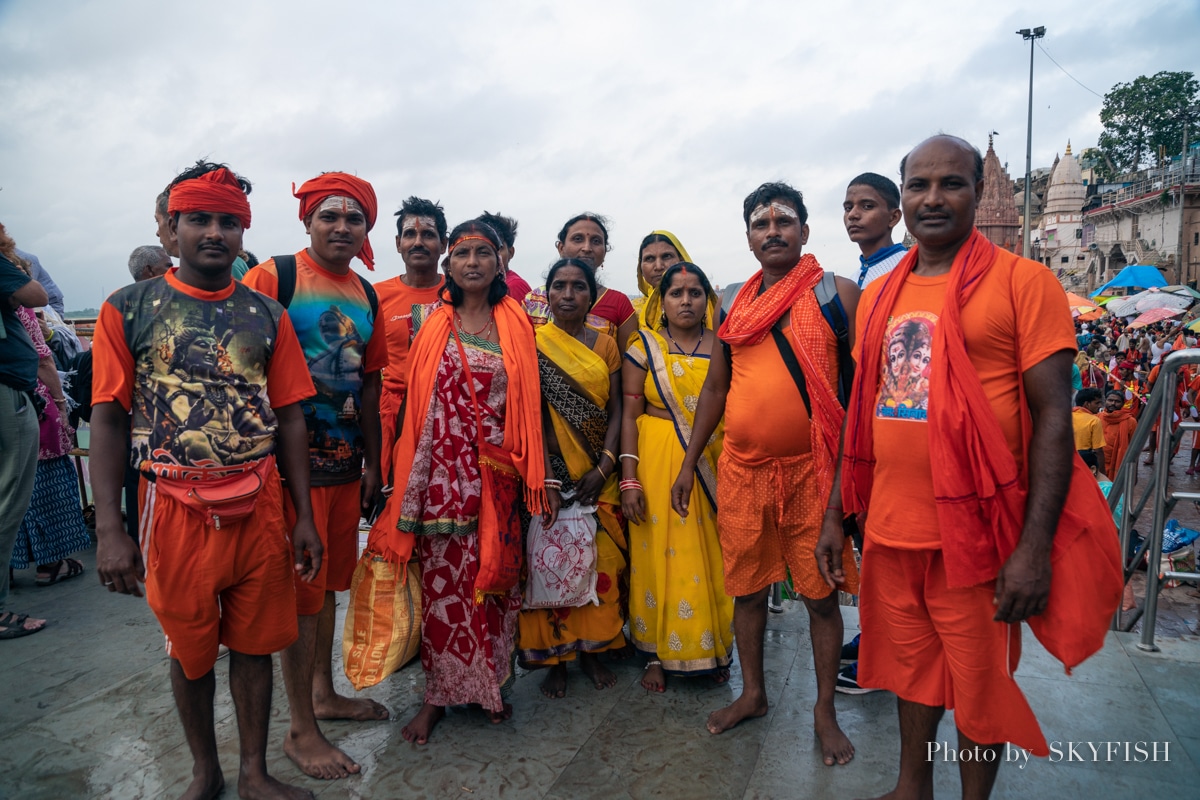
333,309
774,382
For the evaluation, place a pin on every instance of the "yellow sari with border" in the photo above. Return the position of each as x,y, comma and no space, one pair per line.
576,381
679,613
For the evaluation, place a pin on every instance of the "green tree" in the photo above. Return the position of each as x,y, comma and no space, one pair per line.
1141,116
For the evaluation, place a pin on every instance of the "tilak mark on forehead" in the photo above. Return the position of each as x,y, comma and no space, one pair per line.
415,223
774,210
339,203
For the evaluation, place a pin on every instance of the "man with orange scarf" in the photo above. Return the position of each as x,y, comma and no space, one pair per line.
775,477
332,308
971,490
1119,423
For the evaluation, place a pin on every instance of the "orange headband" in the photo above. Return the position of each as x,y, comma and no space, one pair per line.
468,238
217,192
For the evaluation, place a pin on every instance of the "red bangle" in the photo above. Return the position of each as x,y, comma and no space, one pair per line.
835,508
630,484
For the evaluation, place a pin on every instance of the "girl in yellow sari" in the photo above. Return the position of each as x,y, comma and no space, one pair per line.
679,614
580,371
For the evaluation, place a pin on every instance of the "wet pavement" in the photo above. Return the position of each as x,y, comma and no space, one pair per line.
86,711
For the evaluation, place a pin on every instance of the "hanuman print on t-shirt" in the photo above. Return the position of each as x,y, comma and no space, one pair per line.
907,347
200,398
333,322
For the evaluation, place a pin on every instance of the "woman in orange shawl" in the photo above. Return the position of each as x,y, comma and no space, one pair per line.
467,636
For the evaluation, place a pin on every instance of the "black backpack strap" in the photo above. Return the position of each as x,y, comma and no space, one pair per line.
793,366
372,298
285,268
835,314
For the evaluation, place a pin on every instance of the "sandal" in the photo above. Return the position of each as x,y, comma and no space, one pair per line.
12,625
74,569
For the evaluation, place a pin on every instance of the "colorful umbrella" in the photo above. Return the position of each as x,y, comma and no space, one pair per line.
1148,300
1155,315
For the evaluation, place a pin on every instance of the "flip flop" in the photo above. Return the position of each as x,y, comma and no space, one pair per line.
74,569
14,625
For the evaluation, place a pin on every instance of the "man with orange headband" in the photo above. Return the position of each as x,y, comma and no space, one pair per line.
775,383
959,454
334,311
214,376
420,241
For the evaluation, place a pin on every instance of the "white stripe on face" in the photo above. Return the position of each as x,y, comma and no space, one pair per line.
775,210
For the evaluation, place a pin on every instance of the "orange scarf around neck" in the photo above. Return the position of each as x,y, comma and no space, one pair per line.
522,416
749,322
979,491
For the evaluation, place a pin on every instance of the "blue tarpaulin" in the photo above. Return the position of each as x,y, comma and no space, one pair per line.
1138,276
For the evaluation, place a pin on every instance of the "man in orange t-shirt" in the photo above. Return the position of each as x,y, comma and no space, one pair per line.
420,241
775,476
934,644
346,349
214,377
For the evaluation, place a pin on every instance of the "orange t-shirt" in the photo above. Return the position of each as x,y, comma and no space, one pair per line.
342,342
396,301
764,413
903,513
201,371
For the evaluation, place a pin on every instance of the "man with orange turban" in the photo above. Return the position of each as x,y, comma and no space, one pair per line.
214,377
334,310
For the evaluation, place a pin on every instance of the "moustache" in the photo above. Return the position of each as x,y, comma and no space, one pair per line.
419,249
775,241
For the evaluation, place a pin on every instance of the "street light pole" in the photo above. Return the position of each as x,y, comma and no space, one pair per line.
1031,36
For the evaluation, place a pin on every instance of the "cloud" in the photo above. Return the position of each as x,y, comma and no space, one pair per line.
658,114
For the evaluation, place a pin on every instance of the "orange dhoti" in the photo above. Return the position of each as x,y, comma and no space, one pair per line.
940,647
336,510
769,518
389,415
210,586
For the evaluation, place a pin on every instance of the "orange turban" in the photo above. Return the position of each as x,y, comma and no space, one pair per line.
340,184
217,192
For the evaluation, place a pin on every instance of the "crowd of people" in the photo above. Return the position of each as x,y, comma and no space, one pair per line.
905,437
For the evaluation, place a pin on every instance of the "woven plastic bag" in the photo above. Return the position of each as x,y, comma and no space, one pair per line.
383,622
562,560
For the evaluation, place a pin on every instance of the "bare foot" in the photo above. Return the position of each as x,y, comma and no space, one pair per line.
654,679
419,727
496,717
601,676
205,786
721,676
740,709
554,685
622,653
316,757
835,746
360,709
267,788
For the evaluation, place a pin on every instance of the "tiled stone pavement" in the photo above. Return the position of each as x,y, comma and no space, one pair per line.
86,711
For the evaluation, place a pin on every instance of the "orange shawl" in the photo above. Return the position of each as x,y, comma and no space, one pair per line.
522,419
1118,431
980,492
750,321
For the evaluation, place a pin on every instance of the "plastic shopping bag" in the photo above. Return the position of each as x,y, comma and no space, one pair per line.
562,560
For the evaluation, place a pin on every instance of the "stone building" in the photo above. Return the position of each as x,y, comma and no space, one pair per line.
1061,228
997,217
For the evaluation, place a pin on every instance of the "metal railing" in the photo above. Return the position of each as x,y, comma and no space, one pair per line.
1160,408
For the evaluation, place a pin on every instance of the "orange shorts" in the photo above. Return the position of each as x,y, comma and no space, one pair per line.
769,518
336,510
389,412
207,587
937,646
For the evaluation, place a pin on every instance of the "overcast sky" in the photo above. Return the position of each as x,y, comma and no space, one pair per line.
656,114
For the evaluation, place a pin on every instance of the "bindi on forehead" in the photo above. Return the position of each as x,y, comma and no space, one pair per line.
412,223
774,211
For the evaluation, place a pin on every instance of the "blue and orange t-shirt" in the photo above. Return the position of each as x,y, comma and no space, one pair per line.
342,342
201,371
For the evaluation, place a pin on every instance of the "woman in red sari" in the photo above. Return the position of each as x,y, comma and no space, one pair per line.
467,630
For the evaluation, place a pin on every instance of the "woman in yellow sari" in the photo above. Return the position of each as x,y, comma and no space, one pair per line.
580,370
679,614
659,250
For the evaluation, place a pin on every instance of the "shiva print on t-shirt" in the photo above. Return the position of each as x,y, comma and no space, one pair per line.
907,347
